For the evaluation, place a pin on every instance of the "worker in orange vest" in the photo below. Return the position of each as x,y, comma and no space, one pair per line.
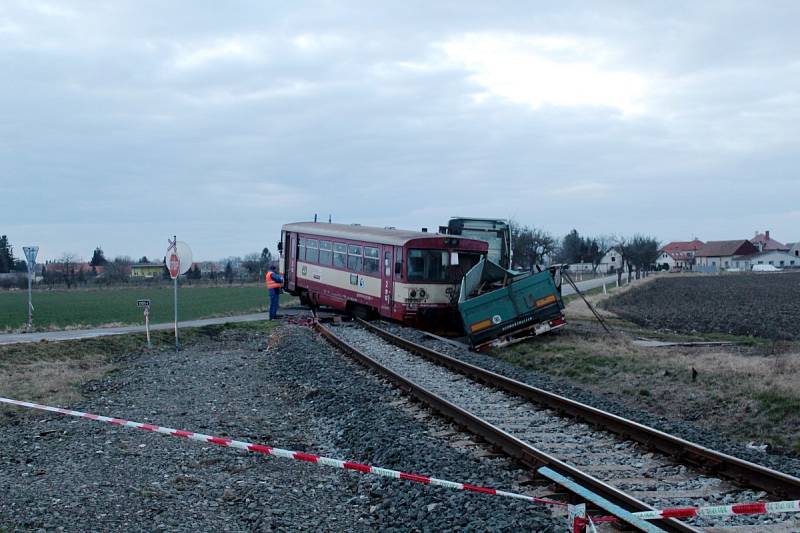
274,285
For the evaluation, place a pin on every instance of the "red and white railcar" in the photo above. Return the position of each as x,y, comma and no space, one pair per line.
408,276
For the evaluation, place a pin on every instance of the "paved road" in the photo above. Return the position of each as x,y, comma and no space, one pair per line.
589,284
14,338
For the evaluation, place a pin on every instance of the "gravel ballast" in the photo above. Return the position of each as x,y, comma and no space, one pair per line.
290,390
788,463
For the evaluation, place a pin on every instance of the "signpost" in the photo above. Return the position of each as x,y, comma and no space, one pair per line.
145,303
30,257
179,261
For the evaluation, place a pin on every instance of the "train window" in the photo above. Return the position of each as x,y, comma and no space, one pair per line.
339,255
387,264
312,250
398,262
425,265
354,259
302,250
371,263
325,254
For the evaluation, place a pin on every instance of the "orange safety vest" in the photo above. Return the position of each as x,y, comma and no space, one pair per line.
272,284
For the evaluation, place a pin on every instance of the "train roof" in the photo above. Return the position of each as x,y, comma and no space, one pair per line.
357,232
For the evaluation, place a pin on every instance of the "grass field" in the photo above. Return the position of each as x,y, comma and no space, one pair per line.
70,308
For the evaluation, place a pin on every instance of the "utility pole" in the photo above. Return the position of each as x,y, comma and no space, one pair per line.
174,265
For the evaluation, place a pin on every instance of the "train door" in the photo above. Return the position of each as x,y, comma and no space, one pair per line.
386,282
290,248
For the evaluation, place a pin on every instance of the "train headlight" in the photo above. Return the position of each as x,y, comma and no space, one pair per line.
412,293
422,293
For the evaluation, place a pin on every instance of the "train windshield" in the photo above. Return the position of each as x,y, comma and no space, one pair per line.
439,265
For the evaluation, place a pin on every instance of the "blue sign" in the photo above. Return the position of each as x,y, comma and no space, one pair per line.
30,256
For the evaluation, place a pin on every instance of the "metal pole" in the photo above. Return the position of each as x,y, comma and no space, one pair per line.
175,284
30,301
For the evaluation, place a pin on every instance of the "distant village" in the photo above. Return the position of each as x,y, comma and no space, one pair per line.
714,256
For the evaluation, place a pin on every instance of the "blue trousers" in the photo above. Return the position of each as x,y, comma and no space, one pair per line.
274,297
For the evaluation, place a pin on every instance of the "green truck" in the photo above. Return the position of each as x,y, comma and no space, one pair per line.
500,306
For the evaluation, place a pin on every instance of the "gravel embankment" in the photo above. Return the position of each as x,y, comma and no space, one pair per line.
653,478
789,464
75,475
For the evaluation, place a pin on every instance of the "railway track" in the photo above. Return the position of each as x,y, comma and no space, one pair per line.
629,465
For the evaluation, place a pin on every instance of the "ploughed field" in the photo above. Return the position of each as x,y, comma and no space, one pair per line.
758,305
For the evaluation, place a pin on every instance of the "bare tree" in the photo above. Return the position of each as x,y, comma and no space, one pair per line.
252,265
531,246
622,246
639,253
604,244
119,270
643,252
68,263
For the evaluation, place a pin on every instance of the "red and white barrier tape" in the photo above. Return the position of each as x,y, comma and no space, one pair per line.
286,454
684,512
722,510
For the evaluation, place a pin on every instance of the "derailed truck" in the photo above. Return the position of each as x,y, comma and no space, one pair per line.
500,306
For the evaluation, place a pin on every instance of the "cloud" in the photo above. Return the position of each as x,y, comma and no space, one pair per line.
547,70
592,189
235,48
136,120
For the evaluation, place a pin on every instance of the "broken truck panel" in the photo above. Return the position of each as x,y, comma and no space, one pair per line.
499,306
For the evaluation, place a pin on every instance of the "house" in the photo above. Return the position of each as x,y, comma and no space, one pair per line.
147,270
765,243
720,254
776,258
794,249
666,261
63,267
611,262
682,253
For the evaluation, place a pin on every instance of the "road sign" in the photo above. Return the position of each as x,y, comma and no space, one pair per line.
30,256
184,255
181,253
174,265
143,303
179,261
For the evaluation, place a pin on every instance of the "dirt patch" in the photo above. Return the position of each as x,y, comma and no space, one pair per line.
757,305
749,392
53,372
51,381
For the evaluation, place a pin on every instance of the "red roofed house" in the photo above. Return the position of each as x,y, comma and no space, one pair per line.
679,254
76,268
719,254
765,243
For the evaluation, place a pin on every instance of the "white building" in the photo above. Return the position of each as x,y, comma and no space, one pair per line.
666,261
611,262
794,249
719,254
776,258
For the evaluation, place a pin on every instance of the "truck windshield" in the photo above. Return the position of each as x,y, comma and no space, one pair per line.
492,237
435,265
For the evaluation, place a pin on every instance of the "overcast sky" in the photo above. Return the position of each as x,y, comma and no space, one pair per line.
124,123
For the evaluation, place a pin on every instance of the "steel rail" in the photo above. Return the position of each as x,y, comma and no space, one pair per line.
684,451
512,446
